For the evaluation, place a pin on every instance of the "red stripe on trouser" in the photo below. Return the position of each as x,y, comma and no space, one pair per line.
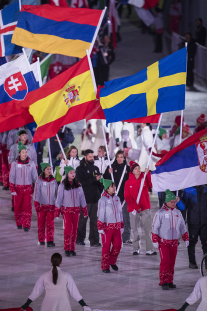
45,221
5,168
1,177
70,232
168,256
109,256
23,209
13,200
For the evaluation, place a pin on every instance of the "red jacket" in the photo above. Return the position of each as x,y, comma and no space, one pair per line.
131,190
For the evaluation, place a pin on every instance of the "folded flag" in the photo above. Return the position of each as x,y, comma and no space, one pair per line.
67,98
17,79
56,30
184,166
156,89
8,20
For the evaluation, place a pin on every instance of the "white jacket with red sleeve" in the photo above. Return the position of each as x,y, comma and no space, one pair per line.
167,227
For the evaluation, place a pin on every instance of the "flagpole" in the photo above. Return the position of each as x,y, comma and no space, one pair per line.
121,179
45,58
61,147
50,157
20,5
39,72
95,90
97,29
150,156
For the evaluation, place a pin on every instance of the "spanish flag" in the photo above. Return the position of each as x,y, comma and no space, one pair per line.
67,98
56,30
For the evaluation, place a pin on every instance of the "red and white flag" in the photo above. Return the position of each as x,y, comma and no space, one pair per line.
62,3
142,8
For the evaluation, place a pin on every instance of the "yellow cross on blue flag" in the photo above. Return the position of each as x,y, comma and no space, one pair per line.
156,89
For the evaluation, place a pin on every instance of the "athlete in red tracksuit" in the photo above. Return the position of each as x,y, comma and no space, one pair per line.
5,164
45,194
70,200
110,224
22,177
168,225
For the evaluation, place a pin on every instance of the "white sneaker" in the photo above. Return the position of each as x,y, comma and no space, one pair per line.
136,252
150,253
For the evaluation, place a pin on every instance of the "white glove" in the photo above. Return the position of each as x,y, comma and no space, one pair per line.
156,245
101,231
186,243
134,212
86,308
13,193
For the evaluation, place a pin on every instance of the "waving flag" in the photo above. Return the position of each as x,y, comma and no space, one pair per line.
16,81
62,3
184,166
67,98
156,89
8,21
79,4
56,30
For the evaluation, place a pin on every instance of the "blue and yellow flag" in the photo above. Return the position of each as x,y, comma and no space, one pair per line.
156,89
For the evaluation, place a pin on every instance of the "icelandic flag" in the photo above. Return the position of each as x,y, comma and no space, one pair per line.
17,79
184,166
8,21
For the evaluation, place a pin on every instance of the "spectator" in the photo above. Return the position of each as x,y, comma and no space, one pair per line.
195,200
142,209
66,138
88,175
106,57
159,30
200,37
175,16
191,57
117,170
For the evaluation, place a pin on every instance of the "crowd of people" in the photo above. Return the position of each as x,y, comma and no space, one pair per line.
105,190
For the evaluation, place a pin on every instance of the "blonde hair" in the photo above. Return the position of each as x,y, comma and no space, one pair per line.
103,148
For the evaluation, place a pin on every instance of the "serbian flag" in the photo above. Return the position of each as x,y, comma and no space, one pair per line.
67,98
56,30
184,166
17,80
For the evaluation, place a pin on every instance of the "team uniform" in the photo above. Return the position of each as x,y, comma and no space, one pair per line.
32,154
23,175
110,222
168,225
45,194
74,162
69,202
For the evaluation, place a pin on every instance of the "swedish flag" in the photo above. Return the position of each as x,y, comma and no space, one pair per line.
156,89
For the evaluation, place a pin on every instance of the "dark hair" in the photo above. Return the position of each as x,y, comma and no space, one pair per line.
103,148
189,33
68,186
87,151
120,152
43,175
110,185
69,150
56,260
200,20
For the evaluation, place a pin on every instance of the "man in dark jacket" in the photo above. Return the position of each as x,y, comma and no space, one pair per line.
200,32
88,175
191,58
117,169
195,200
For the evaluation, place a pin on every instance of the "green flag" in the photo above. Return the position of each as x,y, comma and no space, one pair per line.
44,67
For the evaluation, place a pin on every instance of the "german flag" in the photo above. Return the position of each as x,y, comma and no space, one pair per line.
67,98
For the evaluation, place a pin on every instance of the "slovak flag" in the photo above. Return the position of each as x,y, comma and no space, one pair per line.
184,166
8,20
17,79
